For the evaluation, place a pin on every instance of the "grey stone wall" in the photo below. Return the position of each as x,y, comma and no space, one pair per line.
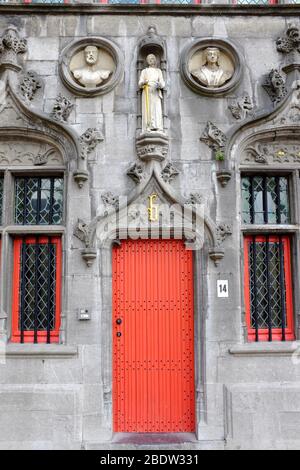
249,395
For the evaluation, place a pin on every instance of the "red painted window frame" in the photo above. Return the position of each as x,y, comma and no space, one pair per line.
263,333
41,335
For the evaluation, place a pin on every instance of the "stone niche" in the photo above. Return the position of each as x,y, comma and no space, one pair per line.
213,79
91,66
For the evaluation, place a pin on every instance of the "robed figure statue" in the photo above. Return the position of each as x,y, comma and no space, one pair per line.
152,83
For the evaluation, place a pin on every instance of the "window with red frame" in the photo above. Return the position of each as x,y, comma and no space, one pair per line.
36,289
268,288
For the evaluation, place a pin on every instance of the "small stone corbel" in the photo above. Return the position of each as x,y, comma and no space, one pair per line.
217,253
223,176
82,232
10,46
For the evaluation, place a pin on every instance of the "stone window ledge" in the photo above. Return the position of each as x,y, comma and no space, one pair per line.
42,351
266,349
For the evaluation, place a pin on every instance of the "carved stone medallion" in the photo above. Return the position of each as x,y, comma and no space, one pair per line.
91,66
211,66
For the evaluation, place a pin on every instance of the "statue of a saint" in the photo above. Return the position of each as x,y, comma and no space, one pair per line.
152,82
91,75
211,74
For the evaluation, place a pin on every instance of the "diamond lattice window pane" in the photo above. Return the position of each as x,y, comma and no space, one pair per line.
39,201
265,284
38,286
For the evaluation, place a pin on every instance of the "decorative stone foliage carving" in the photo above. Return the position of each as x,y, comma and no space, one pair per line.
89,141
152,147
211,66
109,199
29,85
275,86
82,232
291,41
136,172
269,153
242,107
213,137
62,109
222,232
91,66
169,173
10,46
194,199
23,153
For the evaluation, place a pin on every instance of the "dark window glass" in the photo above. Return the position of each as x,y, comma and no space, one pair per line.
265,200
39,201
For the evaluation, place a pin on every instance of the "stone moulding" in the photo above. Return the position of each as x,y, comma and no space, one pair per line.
152,146
227,48
78,45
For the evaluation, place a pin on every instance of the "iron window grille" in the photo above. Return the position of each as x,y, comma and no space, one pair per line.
36,289
38,201
268,288
265,200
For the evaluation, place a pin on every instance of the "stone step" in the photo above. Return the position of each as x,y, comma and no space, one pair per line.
195,446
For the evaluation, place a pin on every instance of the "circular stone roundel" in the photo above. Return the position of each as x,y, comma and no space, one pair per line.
211,66
91,66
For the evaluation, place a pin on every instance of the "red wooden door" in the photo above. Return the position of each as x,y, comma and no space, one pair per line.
153,337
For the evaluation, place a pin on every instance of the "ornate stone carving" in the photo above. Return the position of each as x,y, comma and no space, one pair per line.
291,41
152,146
169,173
110,200
275,86
10,46
29,85
223,230
81,231
136,172
194,199
24,153
213,137
91,66
89,141
62,109
211,66
241,108
268,153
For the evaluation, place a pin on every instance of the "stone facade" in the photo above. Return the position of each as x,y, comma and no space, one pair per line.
60,396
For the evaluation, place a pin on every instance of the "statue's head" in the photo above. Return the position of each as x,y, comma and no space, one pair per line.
151,60
212,56
91,55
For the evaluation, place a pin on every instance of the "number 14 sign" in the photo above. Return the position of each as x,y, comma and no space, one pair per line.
222,287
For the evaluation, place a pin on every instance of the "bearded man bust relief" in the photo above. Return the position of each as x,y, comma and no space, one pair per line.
91,75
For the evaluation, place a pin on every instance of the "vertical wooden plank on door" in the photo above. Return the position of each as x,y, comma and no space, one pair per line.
154,358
